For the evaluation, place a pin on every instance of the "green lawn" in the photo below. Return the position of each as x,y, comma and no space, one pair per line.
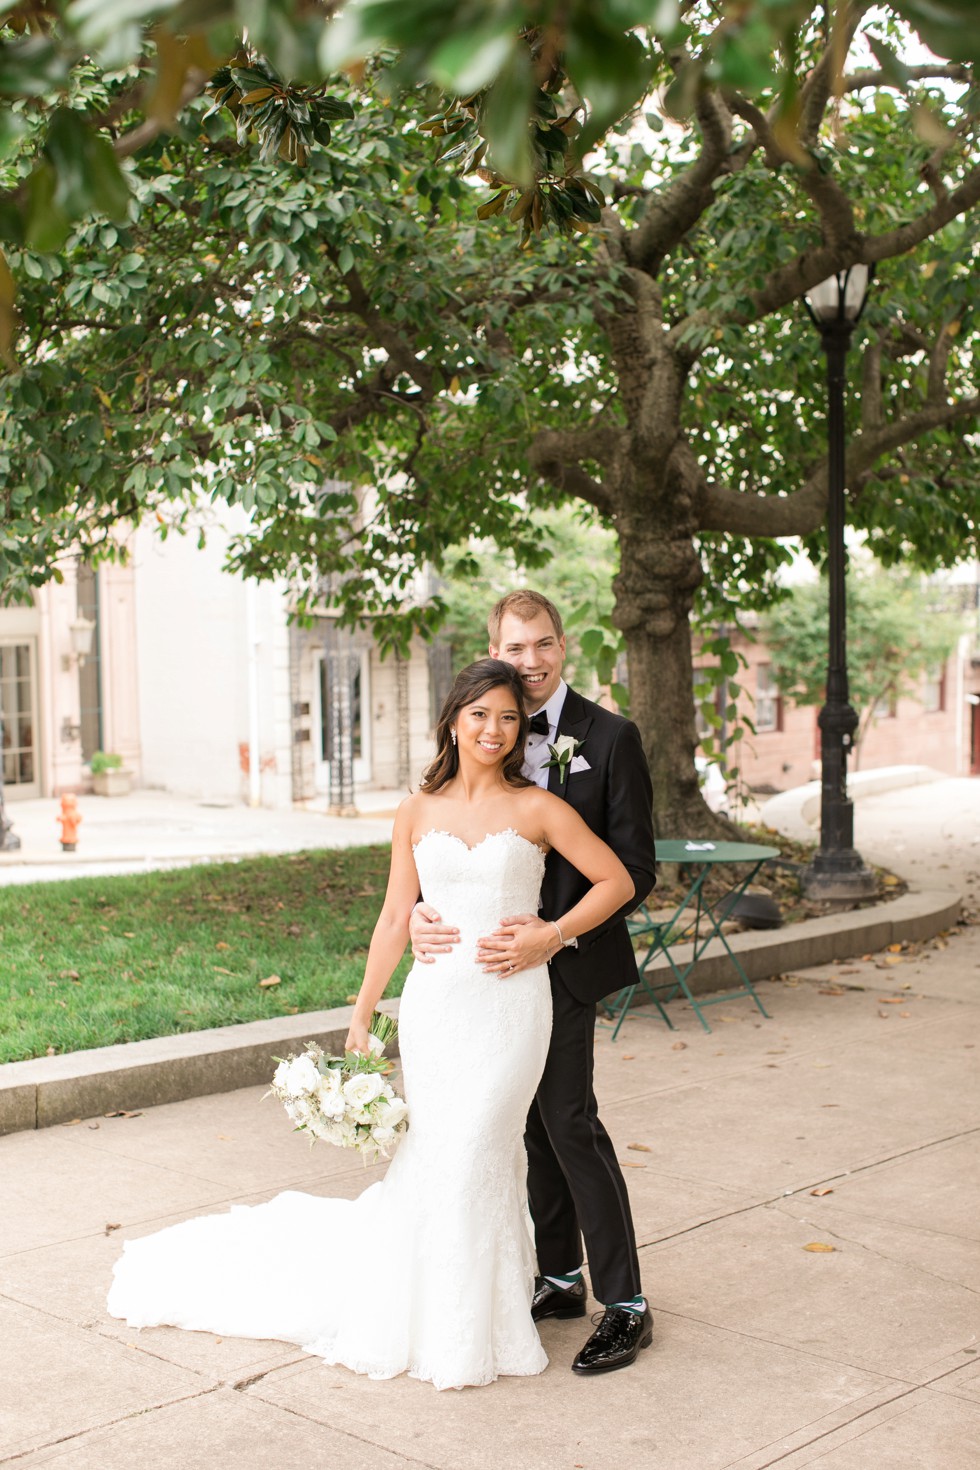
99,960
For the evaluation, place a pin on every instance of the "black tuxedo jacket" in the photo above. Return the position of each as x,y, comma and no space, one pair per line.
615,798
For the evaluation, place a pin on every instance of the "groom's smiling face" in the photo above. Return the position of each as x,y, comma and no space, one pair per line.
537,654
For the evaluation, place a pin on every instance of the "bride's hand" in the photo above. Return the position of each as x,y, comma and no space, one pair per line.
519,943
357,1038
429,935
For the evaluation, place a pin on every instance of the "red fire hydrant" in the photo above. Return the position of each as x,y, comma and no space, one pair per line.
70,818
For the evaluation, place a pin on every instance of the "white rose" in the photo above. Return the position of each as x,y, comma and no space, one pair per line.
361,1090
383,1137
302,1076
331,1102
565,744
390,1112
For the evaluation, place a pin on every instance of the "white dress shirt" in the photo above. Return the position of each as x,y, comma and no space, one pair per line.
536,749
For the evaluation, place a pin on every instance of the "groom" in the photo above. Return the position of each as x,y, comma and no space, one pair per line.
575,1185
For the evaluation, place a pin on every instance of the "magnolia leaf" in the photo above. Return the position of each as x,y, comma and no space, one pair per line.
269,981
819,1247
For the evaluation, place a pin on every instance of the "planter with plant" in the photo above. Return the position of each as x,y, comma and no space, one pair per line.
109,775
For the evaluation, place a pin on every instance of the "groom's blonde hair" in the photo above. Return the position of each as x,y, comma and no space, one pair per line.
524,604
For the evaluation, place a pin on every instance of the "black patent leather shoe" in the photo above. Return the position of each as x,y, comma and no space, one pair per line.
557,1301
616,1341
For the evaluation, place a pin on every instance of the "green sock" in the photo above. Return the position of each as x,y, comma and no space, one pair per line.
637,1304
564,1282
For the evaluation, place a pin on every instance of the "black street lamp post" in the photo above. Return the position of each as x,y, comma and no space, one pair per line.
837,871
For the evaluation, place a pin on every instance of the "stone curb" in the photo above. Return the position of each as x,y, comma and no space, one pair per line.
142,1074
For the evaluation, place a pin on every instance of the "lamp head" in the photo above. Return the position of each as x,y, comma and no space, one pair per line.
840,298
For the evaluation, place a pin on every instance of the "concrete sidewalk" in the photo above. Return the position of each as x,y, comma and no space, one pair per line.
848,1121
152,829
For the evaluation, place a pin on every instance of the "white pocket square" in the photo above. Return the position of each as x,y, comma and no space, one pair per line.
579,763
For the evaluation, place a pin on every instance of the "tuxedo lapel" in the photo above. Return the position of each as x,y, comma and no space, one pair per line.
574,720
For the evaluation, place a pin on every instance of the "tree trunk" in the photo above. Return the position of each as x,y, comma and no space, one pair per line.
654,595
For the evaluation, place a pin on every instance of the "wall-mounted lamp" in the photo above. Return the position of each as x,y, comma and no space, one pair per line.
81,632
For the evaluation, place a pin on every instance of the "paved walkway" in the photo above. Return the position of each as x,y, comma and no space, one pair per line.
152,829
849,1121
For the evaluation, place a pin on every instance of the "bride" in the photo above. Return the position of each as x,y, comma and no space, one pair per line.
429,1272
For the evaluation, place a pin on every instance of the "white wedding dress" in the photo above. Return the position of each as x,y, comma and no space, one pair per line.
430,1271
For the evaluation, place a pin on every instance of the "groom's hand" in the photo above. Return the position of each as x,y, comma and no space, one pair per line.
429,935
518,943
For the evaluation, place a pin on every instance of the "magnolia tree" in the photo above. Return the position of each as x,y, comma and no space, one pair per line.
298,292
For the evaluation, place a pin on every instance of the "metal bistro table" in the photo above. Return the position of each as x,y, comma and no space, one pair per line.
663,935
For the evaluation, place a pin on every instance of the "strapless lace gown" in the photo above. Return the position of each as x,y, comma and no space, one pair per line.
430,1271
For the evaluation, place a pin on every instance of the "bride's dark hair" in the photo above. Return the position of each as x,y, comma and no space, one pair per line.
469,686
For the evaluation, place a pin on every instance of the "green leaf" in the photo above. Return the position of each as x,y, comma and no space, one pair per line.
504,116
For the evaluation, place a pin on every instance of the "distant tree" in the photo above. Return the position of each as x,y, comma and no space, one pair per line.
896,632
573,563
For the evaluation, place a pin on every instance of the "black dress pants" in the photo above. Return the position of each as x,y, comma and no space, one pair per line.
575,1185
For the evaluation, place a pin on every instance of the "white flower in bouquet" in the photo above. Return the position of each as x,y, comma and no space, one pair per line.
361,1090
301,1076
391,1111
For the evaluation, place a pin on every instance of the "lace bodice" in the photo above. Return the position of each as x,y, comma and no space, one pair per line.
475,887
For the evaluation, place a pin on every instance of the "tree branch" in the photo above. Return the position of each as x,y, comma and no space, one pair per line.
145,132
951,72
672,212
802,511
556,456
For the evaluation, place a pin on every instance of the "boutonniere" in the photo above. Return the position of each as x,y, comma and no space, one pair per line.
564,748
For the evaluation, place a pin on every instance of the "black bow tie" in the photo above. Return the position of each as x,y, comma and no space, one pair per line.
539,723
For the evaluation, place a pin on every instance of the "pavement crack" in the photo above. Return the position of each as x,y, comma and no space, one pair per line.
880,1255
839,1429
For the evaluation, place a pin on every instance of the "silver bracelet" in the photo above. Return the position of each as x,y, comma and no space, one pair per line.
561,937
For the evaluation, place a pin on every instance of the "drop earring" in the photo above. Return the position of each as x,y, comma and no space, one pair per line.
452,736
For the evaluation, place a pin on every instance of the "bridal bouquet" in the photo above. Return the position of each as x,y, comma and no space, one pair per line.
345,1100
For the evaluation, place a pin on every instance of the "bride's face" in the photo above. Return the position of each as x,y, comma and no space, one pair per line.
487,729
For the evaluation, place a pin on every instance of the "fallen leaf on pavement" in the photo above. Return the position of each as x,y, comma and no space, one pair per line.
123,1113
270,980
110,1228
831,990
628,1164
894,949
71,1122
819,1246
679,1046
820,1192
890,1000
628,1056
640,1148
